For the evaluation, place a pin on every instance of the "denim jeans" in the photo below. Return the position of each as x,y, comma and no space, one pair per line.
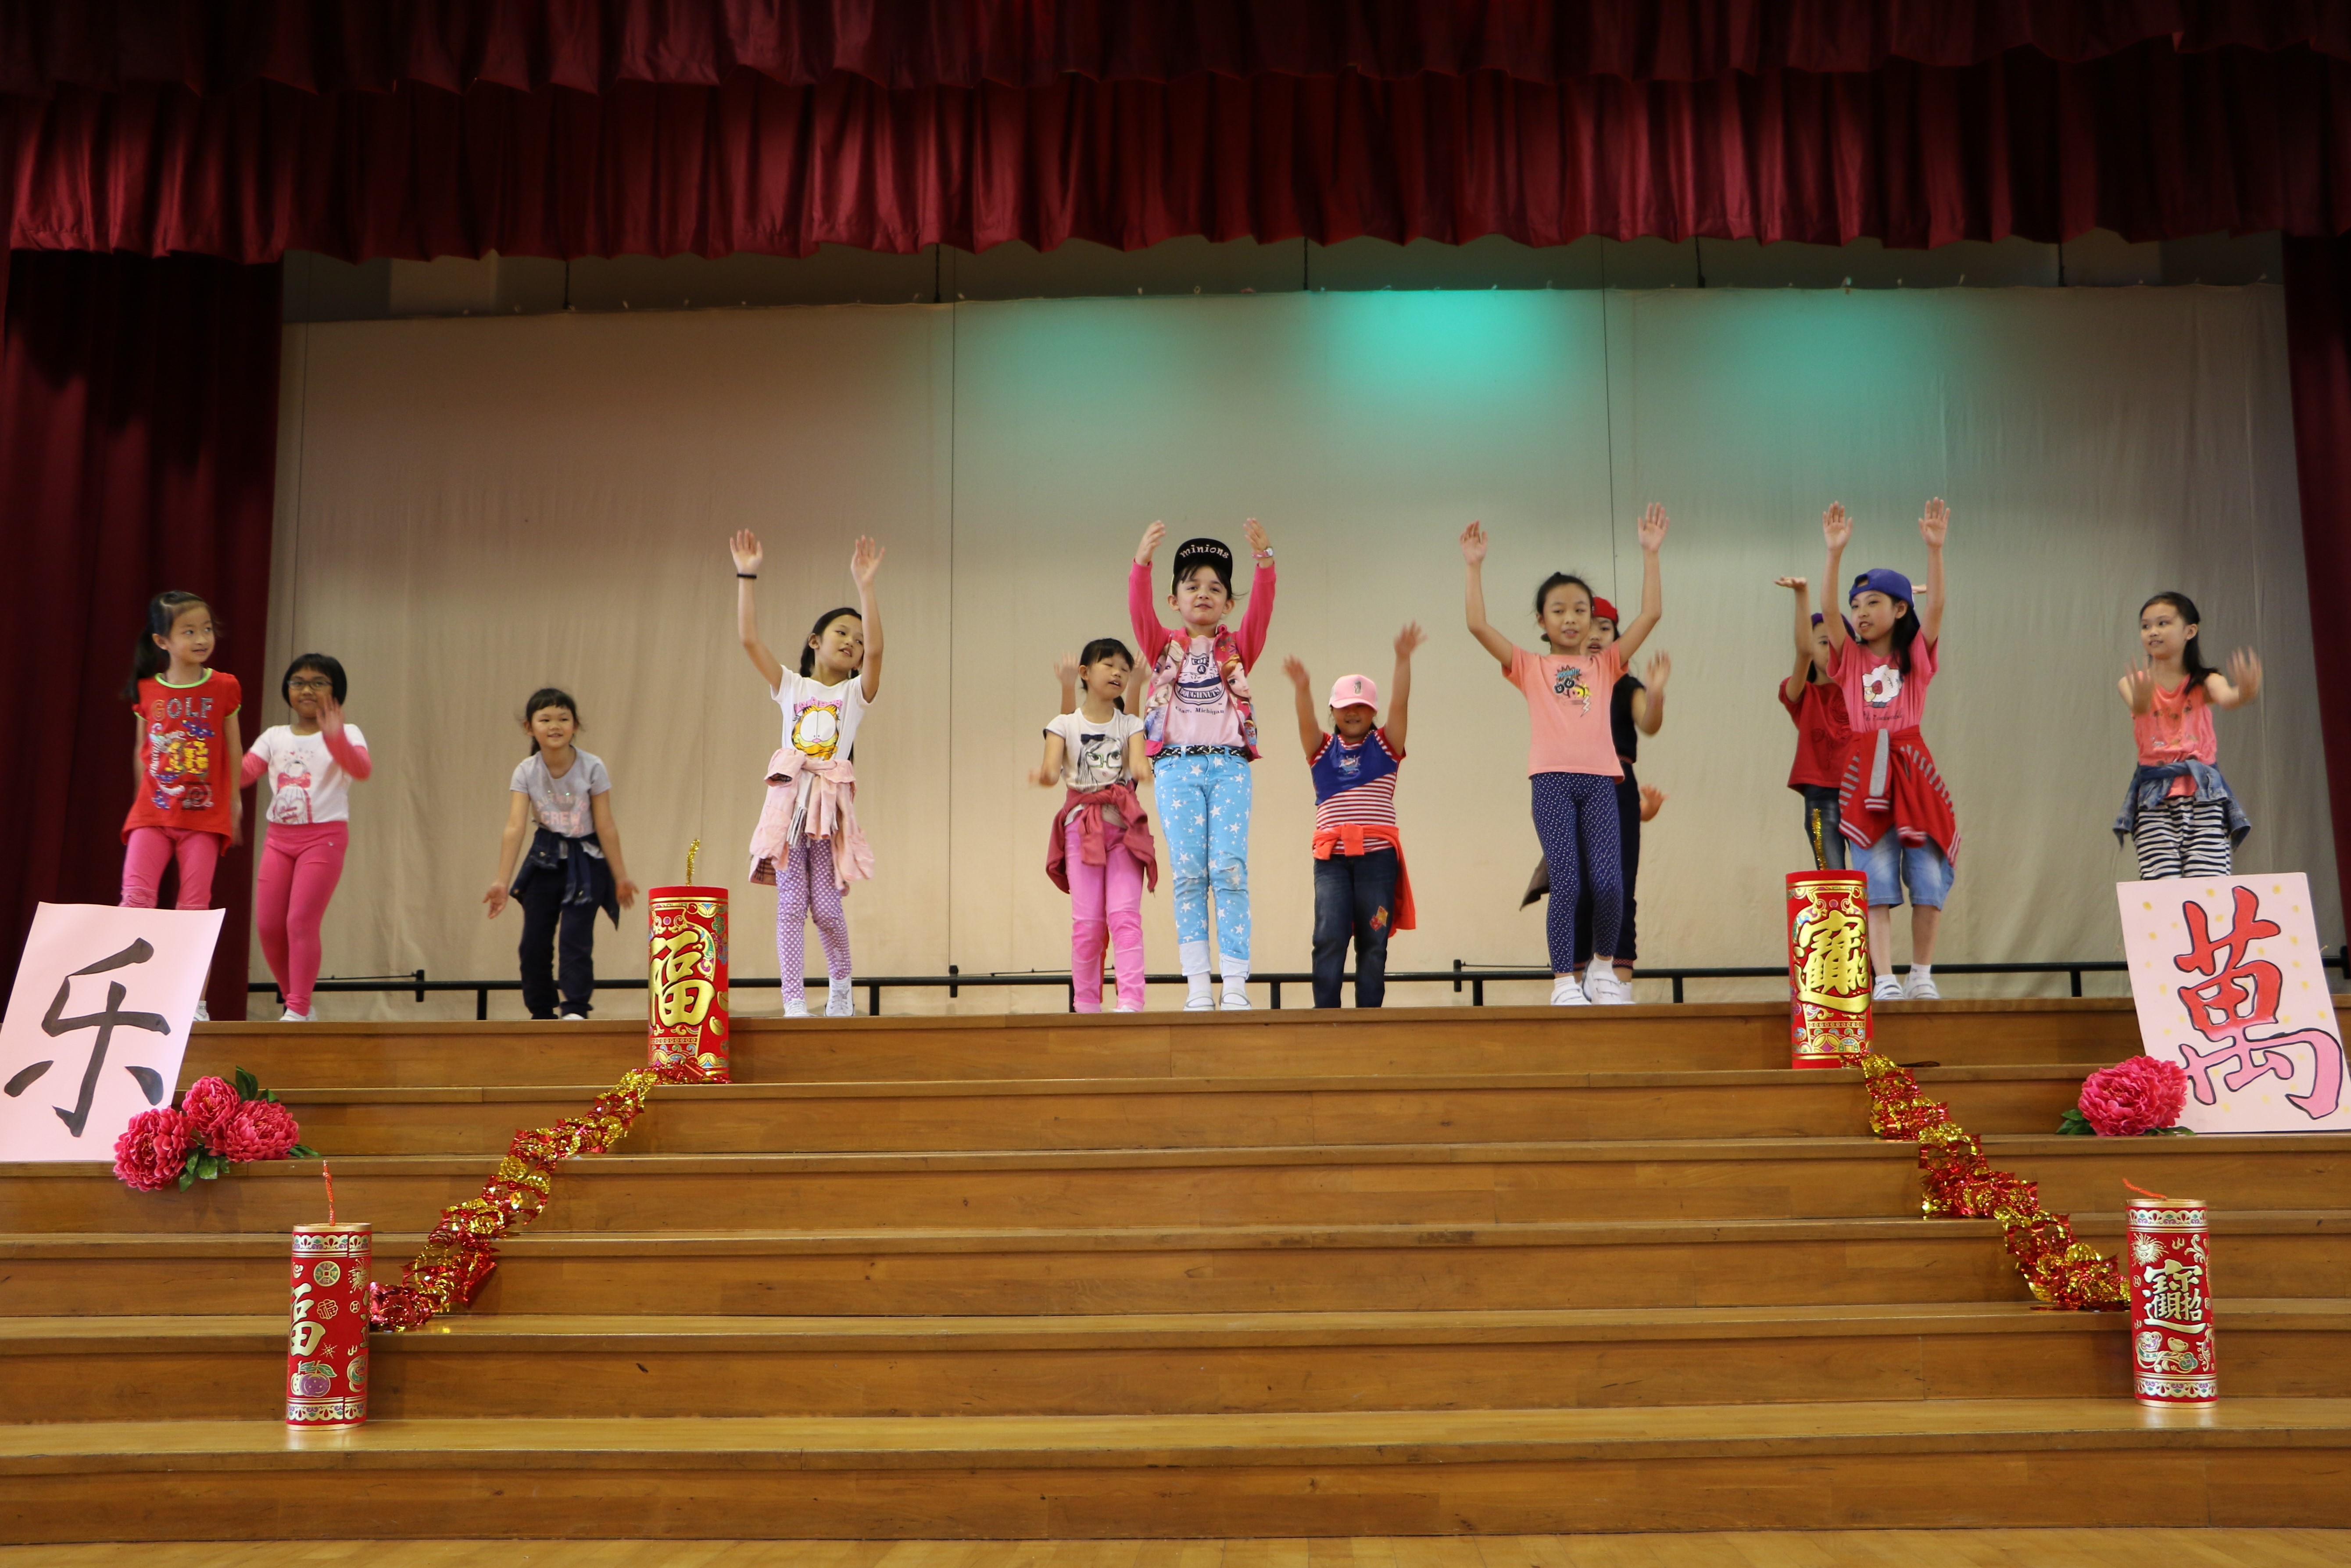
1355,896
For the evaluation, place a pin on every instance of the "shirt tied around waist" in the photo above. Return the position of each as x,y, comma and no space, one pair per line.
1095,835
1353,839
810,798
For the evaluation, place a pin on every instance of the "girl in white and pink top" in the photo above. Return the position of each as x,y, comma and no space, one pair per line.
1198,731
2179,812
308,766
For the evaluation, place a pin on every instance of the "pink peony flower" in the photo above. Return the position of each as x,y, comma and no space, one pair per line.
152,1151
261,1130
2138,1095
210,1105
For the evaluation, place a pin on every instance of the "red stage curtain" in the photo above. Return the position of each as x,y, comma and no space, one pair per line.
2149,141
2318,345
138,450
332,46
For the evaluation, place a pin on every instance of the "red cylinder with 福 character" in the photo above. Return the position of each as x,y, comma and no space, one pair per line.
1828,968
327,1343
685,1015
2169,1258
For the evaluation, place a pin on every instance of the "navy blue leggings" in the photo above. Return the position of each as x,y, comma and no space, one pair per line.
1575,818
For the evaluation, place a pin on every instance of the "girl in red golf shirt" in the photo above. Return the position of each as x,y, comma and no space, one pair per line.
1890,797
1823,734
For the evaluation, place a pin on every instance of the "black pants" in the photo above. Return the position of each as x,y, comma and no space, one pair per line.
548,925
1823,835
1355,896
1628,856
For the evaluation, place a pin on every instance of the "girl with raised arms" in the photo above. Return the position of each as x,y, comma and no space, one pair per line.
1571,762
2179,812
1892,804
1201,736
808,843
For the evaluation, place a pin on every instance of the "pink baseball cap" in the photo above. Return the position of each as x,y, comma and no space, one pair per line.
1355,691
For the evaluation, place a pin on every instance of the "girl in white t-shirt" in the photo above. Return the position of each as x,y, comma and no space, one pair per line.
1099,852
308,766
808,843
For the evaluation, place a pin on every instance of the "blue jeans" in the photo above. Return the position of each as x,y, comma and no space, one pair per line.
1355,896
1204,807
1891,864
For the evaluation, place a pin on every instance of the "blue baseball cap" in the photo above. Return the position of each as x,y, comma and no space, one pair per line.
1882,579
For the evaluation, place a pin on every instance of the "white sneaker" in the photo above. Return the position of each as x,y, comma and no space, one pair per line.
1887,989
201,1015
840,1001
290,1015
1566,993
573,1018
1608,989
796,1007
1122,1007
1921,989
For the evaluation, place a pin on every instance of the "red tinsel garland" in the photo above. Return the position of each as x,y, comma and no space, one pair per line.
463,1249
2059,1269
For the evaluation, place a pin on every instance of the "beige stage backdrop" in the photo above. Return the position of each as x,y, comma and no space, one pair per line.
473,508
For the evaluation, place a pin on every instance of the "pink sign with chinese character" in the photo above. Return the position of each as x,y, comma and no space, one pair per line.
2230,985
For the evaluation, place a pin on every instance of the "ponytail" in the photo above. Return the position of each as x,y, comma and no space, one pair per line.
2191,656
808,647
163,612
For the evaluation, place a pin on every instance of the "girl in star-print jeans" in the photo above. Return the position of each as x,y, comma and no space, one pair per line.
1201,737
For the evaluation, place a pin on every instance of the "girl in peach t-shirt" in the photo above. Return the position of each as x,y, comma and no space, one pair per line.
1572,758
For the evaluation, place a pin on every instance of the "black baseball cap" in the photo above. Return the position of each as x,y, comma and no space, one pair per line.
1212,553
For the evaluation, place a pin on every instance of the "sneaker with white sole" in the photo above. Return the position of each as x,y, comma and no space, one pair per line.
1202,1003
797,1008
840,1001
1921,989
202,1015
1235,1001
573,1018
290,1015
1887,989
1566,993
1610,990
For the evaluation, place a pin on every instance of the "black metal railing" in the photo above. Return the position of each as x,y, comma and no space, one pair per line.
1474,976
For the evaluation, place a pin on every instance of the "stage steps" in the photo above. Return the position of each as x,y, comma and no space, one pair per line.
1883,1464
1441,1270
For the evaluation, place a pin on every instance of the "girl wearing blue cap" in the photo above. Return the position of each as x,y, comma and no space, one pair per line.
1199,733
1893,806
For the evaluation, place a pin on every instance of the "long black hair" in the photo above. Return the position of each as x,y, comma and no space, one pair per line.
2192,655
808,647
1557,579
1905,626
326,664
542,699
164,611
1101,648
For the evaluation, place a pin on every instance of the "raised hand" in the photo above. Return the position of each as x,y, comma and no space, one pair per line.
330,716
1661,668
1473,544
1651,799
2139,687
1934,523
864,561
1798,583
1296,670
1065,669
1837,526
1409,641
1253,532
1151,537
1652,527
2245,674
745,548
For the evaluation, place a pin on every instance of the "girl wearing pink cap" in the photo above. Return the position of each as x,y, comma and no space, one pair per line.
1894,808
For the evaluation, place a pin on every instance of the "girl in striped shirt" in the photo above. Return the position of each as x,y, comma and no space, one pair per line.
1361,888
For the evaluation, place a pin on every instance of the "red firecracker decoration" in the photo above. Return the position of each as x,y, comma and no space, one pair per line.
2169,1267
1828,968
327,1343
685,1016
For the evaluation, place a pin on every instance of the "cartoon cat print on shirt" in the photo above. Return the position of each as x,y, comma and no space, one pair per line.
816,729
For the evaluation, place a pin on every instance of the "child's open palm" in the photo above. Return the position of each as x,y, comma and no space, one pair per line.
864,561
1837,526
1473,544
1295,668
1652,527
1254,532
1935,523
745,547
1409,641
1151,537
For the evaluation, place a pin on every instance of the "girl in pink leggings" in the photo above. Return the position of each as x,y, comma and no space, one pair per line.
309,765
1099,852
188,806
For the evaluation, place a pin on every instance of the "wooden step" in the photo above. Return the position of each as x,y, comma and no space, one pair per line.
1432,1184
1414,1041
507,1365
1882,1464
1179,1113
1770,1262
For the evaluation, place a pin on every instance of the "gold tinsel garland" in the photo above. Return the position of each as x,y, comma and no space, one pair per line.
463,1249
2059,1269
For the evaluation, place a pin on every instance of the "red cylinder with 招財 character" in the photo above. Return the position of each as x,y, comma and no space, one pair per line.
2168,1257
685,1016
1828,968
326,1332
